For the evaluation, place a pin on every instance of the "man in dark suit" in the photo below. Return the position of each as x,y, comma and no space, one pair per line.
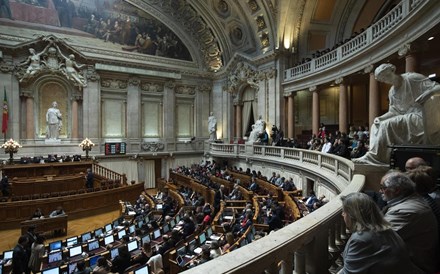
19,256
89,178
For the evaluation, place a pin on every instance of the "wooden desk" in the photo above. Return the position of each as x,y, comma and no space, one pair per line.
40,170
47,224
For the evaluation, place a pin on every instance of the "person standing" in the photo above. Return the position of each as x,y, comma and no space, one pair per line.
54,124
89,178
37,254
19,256
4,184
374,247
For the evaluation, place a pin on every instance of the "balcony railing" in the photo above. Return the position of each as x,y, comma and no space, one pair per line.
358,44
309,245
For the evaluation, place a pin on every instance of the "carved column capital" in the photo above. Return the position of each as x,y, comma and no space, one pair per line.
170,84
369,69
26,94
339,81
92,75
313,88
76,97
134,82
407,49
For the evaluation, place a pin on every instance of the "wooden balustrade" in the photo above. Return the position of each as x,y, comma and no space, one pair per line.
12,213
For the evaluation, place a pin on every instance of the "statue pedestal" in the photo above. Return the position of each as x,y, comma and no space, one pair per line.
372,173
52,141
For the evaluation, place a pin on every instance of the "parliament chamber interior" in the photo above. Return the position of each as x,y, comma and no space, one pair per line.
146,137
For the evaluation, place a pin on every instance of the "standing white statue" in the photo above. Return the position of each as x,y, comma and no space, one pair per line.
54,122
212,127
403,123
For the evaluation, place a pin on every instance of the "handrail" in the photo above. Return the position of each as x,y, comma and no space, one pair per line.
319,232
358,44
109,174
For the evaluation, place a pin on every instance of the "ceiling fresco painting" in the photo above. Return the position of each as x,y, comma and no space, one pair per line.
112,21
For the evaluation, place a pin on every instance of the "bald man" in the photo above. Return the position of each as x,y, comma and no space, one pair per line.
414,162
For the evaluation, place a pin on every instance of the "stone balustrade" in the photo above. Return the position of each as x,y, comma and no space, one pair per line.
311,244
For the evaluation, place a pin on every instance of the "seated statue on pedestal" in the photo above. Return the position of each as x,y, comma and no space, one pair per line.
258,128
403,123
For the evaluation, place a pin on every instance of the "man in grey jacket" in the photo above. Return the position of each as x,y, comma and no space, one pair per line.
412,219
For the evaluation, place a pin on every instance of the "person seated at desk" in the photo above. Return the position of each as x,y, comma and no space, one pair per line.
81,268
188,227
122,261
57,212
215,250
206,256
38,214
143,257
230,240
102,266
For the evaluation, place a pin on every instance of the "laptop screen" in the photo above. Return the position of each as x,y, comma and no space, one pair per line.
108,227
98,232
121,233
202,238
109,239
71,241
55,257
114,252
54,270
165,229
140,224
54,245
75,251
93,261
132,229
72,267
146,239
142,270
209,232
181,251
192,245
133,245
93,245
86,236
172,223
7,255
156,234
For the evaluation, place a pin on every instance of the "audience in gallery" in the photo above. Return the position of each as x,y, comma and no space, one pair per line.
412,219
373,246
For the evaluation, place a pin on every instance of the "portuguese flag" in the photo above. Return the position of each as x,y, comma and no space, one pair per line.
5,114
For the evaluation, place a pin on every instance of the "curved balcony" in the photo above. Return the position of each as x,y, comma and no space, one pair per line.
403,24
309,245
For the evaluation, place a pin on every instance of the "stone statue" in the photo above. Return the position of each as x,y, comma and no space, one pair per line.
258,128
33,62
403,123
54,122
212,127
71,69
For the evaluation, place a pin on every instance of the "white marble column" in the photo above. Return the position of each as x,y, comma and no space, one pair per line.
169,106
290,116
373,96
92,106
315,110
343,104
133,109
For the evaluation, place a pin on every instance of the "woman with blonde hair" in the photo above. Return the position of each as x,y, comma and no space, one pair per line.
373,246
